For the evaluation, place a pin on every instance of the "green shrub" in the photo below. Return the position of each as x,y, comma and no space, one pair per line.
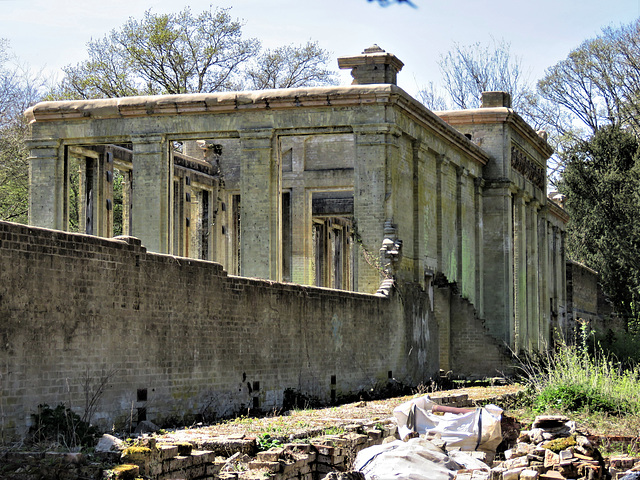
61,425
266,441
574,398
570,379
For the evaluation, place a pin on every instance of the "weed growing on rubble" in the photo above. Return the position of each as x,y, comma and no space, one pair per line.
573,380
334,431
265,442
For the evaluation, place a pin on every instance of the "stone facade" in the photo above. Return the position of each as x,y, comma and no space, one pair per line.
355,188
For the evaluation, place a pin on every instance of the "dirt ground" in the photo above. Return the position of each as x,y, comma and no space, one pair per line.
311,422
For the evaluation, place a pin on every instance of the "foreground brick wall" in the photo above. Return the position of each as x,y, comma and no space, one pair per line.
175,337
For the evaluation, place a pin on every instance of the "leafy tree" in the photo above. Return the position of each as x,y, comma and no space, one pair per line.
162,54
185,53
18,90
598,84
601,182
290,67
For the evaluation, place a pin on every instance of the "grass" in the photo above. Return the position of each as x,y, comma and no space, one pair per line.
571,379
601,394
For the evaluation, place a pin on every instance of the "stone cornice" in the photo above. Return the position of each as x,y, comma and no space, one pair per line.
372,58
582,266
231,102
557,211
498,115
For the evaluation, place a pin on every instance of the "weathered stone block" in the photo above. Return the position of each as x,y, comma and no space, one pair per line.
271,455
273,467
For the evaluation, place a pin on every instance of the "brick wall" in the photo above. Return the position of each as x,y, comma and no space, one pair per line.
176,337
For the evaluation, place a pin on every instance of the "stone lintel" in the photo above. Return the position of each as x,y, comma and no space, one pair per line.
558,212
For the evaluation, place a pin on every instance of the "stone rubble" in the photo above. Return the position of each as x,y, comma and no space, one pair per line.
552,449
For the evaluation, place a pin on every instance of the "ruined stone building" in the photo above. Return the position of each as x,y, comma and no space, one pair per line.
437,222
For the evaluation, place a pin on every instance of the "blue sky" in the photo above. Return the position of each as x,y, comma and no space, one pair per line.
48,34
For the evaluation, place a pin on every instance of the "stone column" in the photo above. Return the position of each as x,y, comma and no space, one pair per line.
47,184
151,192
520,271
375,146
260,199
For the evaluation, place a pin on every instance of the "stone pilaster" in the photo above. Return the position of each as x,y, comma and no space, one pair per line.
375,144
520,271
497,245
533,291
151,192
543,278
261,203
479,251
48,185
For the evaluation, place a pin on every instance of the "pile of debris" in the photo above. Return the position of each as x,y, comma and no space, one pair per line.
461,445
552,449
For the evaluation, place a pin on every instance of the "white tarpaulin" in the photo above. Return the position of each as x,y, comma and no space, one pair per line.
416,459
476,430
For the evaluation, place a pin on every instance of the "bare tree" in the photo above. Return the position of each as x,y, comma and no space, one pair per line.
432,98
467,71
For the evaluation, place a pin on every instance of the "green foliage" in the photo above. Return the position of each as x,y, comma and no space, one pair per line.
181,52
573,380
598,84
334,431
265,442
624,346
290,67
18,90
573,398
61,425
601,182
162,54
14,173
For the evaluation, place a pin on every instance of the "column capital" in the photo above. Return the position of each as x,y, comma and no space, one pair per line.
256,133
46,143
521,195
442,160
256,138
377,129
535,203
147,138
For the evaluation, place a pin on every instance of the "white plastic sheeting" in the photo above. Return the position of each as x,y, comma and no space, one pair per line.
477,430
417,459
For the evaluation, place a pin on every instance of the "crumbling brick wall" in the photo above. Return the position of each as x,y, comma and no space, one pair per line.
175,337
